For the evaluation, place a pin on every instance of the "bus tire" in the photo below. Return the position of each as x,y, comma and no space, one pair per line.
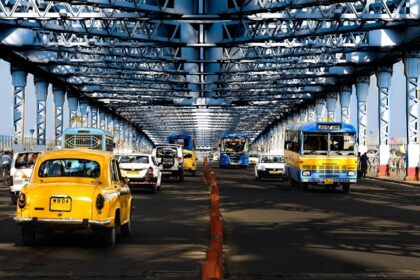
346,188
303,186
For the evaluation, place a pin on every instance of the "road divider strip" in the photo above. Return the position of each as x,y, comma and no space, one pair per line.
212,266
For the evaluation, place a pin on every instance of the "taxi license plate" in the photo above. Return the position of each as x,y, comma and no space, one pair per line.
132,172
329,181
275,172
60,204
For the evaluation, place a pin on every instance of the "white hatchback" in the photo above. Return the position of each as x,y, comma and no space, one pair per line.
270,166
21,171
141,171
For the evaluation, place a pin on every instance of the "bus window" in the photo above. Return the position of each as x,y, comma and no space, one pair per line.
342,142
315,143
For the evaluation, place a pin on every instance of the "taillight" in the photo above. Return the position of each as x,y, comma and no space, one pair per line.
150,170
180,159
100,201
21,200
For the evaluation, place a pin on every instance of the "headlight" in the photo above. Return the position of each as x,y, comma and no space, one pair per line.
100,201
351,173
306,173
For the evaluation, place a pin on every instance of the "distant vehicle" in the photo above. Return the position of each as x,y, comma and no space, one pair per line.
188,146
270,166
190,162
234,151
141,171
75,189
213,157
87,138
170,160
253,159
21,171
321,153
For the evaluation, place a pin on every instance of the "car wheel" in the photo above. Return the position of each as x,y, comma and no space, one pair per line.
29,234
109,236
346,188
13,198
181,178
126,228
154,188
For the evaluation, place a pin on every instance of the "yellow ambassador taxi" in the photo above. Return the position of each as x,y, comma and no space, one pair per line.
190,161
75,189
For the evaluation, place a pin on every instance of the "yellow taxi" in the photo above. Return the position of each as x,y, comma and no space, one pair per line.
190,161
75,189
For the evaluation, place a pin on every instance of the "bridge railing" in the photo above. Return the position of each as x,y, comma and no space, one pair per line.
7,143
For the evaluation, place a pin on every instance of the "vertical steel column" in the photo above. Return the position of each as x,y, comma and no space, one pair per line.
109,121
83,105
383,77
59,95
412,71
41,92
102,120
319,107
331,104
311,113
73,105
303,117
93,116
126,143
362,88
345,96
19,84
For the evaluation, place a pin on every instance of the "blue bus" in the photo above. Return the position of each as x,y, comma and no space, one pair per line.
321,153
234,151
87,138
185,140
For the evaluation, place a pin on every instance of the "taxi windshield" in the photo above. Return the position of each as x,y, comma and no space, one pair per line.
69,168
134,159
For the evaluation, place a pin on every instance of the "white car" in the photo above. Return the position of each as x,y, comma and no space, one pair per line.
21,171
270,166
170,159
253,159
141,171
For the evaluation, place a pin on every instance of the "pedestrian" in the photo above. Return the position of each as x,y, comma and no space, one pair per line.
359,169
6,162
364,162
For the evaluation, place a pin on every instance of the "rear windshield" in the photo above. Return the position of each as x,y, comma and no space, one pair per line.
69,168
166,152
134,159
26,160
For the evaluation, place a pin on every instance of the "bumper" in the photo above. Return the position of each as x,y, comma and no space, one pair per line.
265,173
323,180
142,181
58,222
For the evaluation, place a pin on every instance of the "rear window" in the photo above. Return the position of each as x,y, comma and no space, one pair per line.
26,160
134,159
69,168
166,152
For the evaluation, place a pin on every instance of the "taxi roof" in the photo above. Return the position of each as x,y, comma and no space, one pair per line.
76,153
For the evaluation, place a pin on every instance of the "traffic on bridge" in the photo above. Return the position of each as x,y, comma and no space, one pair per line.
199,139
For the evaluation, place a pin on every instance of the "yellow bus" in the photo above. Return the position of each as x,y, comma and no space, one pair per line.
321,153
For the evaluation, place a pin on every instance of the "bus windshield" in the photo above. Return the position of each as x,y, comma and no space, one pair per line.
328,143
234,145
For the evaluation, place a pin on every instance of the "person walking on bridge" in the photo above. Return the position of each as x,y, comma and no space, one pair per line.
6,162
364,162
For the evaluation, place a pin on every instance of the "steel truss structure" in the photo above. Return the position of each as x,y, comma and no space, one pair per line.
204,67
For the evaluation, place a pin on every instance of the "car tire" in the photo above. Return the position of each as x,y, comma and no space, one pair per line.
29,234
154,188
258,178
181,178
13,198
109,236
346,188
126,228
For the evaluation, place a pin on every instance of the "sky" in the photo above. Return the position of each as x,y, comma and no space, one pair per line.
397,105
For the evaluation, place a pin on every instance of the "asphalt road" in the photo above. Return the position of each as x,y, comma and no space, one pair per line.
271,232
170,235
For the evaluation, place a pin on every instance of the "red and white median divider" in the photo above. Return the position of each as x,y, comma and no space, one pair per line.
212,267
